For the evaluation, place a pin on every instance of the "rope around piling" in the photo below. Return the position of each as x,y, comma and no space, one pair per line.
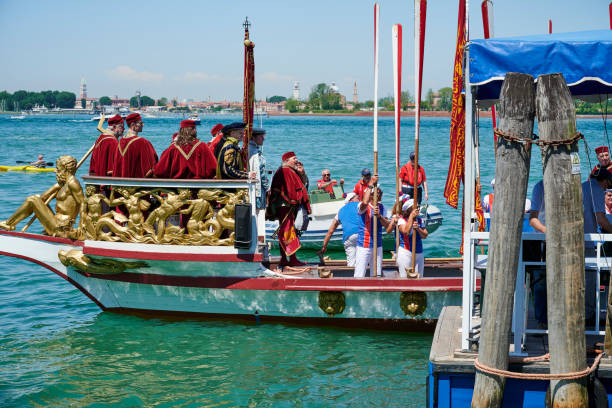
523,140
543,377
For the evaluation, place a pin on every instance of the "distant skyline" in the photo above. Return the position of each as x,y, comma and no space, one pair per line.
193,49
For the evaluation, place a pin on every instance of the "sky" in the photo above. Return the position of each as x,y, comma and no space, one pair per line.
194,49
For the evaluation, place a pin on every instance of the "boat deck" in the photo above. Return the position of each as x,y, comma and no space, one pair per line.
446,356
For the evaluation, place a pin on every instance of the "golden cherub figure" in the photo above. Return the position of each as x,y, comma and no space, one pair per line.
169,206
70,203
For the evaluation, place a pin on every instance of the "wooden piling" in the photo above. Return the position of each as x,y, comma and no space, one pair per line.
564,240
511,176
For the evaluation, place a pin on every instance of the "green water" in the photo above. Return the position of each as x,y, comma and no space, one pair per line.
58,349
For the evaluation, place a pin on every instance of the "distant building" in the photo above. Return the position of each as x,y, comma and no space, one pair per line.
355,99
89,102
296,91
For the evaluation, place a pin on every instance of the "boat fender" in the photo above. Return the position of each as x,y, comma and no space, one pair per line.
242,225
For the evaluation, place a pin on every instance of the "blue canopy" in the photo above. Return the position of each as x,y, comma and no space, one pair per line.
584,58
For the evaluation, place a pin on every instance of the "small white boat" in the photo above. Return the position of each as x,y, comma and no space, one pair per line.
195,118
17,116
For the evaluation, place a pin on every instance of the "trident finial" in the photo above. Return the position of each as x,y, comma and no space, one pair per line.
246,24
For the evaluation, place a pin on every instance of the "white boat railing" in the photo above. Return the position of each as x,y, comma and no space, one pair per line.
593,264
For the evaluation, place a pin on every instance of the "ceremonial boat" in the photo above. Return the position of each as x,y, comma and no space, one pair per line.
455,364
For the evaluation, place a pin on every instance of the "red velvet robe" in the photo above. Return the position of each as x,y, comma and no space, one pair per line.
103,156
193,161
287,187
135,158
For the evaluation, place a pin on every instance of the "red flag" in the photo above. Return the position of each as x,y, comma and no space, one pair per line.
457,129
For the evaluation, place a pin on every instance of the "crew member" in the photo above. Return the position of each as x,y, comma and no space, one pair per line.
487,201
327,183
40,163
349,219
603,156
216,136
365,239
135,157
407,177
364,183
187,157
227,152
299,166
287,194
408,222
257,163
105,149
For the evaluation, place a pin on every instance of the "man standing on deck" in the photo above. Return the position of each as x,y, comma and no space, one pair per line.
603,156
227,153
365,182
105,149
536,251
365,239
287,194
135,157
187,157
349,219
257,164
595,221
216,136
407,177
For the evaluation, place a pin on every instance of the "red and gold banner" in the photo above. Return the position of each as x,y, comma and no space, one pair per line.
457,129
249,93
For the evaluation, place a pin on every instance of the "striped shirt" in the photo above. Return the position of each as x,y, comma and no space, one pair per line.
366,220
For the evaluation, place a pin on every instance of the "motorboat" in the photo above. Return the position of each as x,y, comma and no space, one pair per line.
195,118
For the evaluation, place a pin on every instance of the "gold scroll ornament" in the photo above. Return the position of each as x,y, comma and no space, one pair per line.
413,303
332,302
83,263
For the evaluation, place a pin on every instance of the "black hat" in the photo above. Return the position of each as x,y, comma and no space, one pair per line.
412,156
258,131
366,172
233,126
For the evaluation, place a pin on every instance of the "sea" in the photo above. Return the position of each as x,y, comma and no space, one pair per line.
58,349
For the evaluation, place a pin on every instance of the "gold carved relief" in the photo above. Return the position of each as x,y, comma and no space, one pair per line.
332,302
413,303
83,263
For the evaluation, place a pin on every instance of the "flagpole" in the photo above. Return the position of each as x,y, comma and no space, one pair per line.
374,267
420,13
396,37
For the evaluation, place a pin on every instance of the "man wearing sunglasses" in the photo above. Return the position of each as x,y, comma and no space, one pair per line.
327,184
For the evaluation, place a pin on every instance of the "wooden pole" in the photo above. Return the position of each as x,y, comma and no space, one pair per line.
517,110
374,266
396,37
564,240
420,13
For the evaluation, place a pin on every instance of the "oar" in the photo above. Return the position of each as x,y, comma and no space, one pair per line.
374,267
26,162
396,37
85,156
420,12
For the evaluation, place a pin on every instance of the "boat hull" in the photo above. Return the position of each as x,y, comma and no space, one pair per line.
232,285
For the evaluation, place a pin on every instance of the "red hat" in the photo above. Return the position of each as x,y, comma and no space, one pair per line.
115,120
288,155
601,149
216,129
188,123
132,117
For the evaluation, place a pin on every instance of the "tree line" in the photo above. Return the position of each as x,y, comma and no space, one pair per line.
25,100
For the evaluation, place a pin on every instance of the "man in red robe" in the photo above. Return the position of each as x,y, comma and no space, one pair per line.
287,195
216,136
187,157
105,149
135,156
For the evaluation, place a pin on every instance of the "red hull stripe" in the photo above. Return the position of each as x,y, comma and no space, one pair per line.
55,271
161,256
406,324
41,237
351,284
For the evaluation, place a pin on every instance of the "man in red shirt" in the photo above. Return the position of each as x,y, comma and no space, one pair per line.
287,194
187,157
327,184
364,183
603,156
135,157
105,149
407,177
